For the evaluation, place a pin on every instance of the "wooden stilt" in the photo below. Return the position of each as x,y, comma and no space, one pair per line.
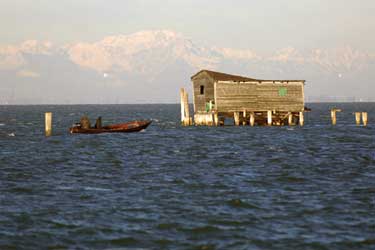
216,119
364,118
236,117
301,119
244,118
252,119
358,118
269,118
290,119
48,123
210,119
222,121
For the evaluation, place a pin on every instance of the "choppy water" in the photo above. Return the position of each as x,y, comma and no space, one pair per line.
186,188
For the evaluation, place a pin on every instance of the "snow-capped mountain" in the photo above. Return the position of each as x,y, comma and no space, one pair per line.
152,65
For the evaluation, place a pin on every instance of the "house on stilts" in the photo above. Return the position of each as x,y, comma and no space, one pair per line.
249,101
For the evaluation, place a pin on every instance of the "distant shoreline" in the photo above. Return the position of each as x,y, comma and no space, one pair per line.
145,104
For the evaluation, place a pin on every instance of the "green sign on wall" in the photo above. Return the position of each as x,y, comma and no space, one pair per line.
283,91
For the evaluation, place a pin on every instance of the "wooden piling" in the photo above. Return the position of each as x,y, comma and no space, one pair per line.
182,97
269,118
186,108
333,117
358,118
252,119
236,116
48,124
301,119
244,118
185,113
364,118
290,119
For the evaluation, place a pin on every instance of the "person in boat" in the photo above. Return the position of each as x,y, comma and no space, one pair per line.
85,122
98,123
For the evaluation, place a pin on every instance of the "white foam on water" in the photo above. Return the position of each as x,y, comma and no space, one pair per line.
64,188
12,134
96,189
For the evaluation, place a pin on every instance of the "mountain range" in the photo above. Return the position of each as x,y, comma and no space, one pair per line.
150,67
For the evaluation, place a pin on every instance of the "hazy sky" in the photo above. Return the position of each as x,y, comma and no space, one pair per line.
257,24
341,31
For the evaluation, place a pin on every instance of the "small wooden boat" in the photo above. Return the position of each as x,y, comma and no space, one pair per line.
133,126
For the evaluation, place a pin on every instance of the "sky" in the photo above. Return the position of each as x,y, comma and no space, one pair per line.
337,35
257,24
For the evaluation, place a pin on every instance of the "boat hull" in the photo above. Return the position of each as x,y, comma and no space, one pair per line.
134,126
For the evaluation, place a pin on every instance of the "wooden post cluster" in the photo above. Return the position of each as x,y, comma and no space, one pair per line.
185,113
205,119
358,116
48,124
268,118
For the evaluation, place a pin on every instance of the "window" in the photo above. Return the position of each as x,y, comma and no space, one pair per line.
202,90
283,91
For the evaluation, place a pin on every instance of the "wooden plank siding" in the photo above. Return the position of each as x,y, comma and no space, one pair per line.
200,100
258,96
233,93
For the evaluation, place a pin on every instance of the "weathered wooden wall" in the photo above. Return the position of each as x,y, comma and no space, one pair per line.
200,100
255,96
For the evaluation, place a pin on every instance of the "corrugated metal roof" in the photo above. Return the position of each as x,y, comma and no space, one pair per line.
218,76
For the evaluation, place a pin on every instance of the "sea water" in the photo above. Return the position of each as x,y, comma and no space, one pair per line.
173,187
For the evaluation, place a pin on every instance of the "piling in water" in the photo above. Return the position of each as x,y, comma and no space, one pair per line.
185,113
182,91
48,124
358,118
333,115
364,118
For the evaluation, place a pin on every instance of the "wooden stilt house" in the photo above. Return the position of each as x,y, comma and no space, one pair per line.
248,101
